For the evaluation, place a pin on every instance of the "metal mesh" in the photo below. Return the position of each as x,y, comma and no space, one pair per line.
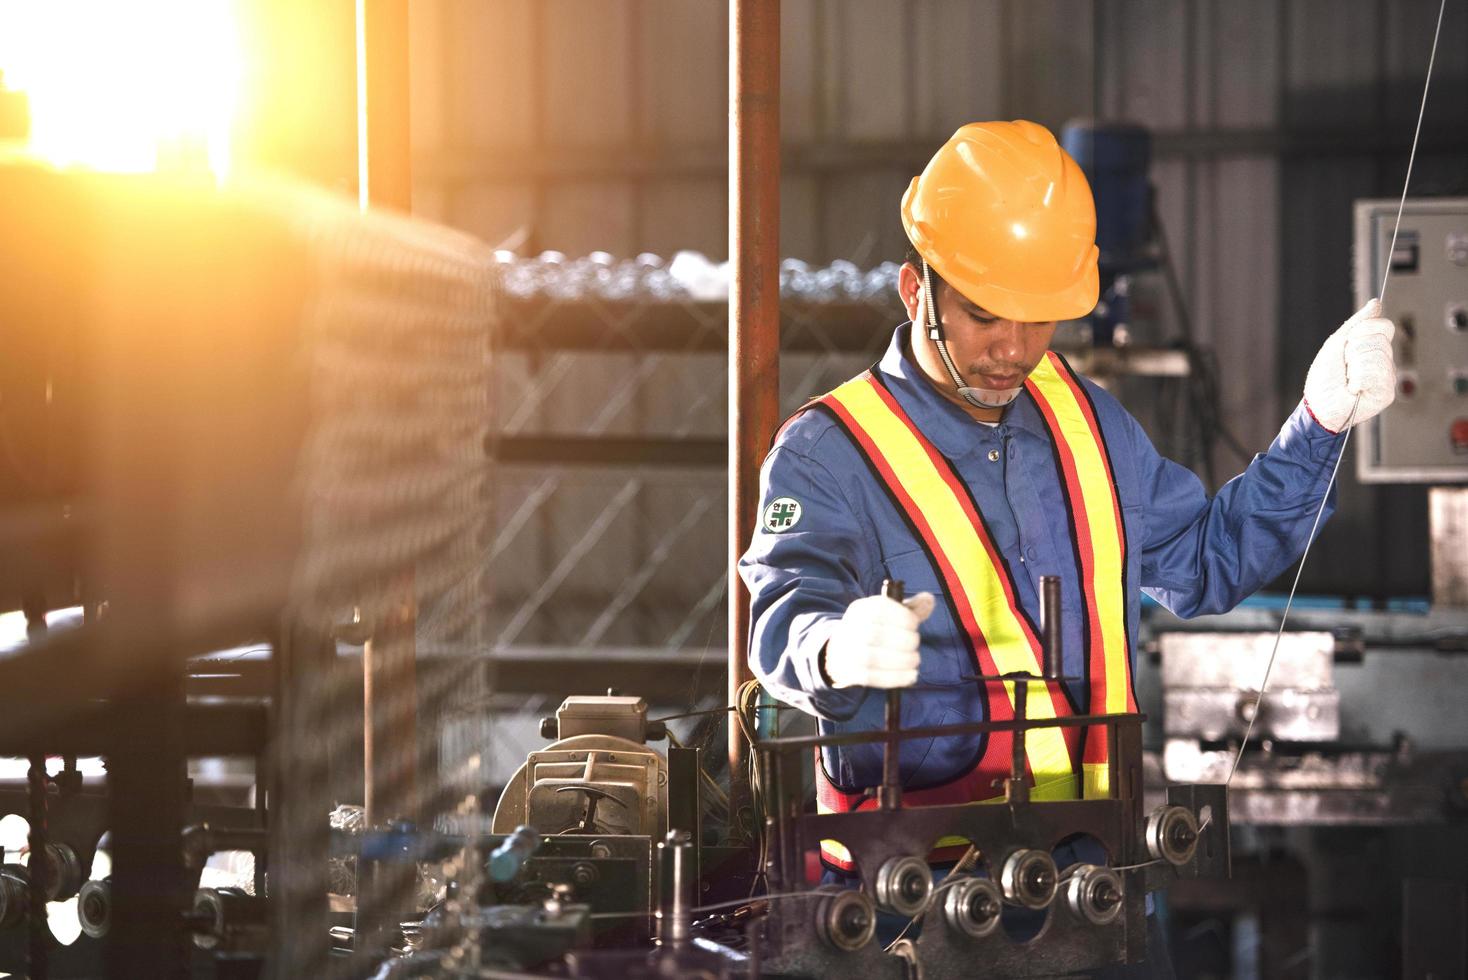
611,401
273,411
394,476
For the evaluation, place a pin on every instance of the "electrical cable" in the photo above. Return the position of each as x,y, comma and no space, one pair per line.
1350,419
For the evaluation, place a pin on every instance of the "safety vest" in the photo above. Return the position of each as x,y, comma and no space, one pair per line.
979,588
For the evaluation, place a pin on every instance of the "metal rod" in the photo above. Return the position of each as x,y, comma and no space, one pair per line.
945,731
390,760
299,797
685,799
1017,787
390,710
1050,625
39,941
384,164
891,795
677,898
754,310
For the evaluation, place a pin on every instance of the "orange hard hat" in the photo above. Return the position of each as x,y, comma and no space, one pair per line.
1006,217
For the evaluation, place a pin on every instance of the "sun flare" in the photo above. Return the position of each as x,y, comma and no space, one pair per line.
147,85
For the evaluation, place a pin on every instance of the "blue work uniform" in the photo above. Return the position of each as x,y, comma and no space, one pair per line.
829,535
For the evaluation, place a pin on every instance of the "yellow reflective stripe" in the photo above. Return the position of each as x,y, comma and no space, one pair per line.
1099,500
1096,777
977,576
835,851
1057,788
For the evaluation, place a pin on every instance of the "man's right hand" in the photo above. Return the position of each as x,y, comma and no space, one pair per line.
876,642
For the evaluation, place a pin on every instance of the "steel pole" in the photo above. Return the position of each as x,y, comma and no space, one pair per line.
390,680
390,744
754,308
384,162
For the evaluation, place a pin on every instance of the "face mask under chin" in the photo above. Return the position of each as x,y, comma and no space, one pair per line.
989,397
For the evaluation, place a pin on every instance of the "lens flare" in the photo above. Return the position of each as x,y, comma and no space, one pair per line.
151,85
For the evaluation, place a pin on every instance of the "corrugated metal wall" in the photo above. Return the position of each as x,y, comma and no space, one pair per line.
601,125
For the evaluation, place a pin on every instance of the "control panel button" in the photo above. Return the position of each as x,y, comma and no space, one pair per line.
1459,435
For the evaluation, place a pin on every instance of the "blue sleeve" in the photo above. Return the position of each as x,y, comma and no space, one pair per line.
1202,556
801,580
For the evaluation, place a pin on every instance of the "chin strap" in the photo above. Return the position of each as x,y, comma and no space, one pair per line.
977,397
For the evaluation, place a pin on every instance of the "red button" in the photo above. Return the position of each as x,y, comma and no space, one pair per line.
1460,436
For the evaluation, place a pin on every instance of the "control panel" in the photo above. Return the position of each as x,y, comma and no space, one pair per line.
1423,436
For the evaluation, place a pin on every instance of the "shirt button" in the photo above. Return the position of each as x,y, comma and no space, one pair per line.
1030,553
993,455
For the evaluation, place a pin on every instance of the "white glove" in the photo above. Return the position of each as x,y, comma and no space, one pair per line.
876,642
1355,360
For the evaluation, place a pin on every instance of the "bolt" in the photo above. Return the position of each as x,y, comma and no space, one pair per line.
1105,896
201,921
1040,879
854,920
1248,708
982,907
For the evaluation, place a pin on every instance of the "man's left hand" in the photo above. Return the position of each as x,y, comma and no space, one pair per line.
1355,361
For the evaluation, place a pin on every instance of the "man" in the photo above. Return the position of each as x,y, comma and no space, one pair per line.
971,461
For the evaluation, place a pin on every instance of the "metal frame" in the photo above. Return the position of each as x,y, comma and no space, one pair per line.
877,836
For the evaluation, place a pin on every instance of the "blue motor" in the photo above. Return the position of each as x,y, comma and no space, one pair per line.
1116,158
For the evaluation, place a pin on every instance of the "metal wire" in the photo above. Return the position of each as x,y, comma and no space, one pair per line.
1412,157
1289,603
1350,419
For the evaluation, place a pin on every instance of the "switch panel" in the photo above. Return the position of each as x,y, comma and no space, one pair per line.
1423,436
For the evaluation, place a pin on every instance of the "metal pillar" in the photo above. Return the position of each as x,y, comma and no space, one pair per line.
384,164
390,677
390,711
754,308
299,801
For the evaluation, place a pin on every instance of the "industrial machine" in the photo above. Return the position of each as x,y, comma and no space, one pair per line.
1313,759
599,864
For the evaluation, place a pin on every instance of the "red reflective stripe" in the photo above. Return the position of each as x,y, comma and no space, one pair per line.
1084,402
1085,552
1086,411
